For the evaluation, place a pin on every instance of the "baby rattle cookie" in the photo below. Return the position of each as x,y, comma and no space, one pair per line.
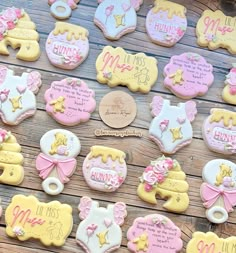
57,161
26,218
67,46
229,91
165,177
153,234
117,18
116,67
171,127
218,191
166,23
105,168
18,31
70,101
99,231
188,75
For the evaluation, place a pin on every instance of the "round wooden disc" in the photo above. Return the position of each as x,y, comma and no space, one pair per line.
117,109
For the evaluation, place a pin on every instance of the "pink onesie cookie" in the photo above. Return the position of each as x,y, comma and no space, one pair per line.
70,101
188,75
229,91
154,233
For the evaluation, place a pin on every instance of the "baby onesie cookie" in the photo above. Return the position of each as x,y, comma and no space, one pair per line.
171,127
99,231
154,233
105,168
229,91
70,101
164,177
57,161
116,18
67,46
17,95
215,30
116,67
218,191
26,218
11,159
188,75
166,23
18,31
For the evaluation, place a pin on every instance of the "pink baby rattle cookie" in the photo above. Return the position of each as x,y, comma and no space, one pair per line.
229,91
188,75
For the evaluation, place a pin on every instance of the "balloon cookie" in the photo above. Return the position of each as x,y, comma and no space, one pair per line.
165,177
171,127
188,75
99,231
116,67
166,23
229,91
70,101
104,168
67,46
18,31
153,234
116,18
26,218
57,161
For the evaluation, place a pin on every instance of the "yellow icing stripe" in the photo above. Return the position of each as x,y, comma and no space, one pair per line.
220,114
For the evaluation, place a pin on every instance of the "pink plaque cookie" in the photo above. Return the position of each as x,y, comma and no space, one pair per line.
104,168
188,75
67,46
166,23
153,234
70,101
229,91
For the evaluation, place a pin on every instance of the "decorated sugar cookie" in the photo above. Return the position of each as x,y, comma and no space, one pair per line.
57,161
116,67
18,31
171,127
153,234
26,218
166,23
104,168
67,46
215,30
188,75
116,18
229,91
70,101
0,209
100,230
165,177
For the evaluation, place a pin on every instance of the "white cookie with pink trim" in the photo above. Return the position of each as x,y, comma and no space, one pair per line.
229,91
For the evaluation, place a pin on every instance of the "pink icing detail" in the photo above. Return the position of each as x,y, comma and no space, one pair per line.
147,187
156,105
214,26
91,229
84,207
119,213
62,150
150,177
126,7
191,110
21,89
3,73
109,11
227,182
4,95
107,222
164,125
34,81
4,135
181,120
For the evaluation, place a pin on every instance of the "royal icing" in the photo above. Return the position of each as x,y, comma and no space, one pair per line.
104,168
115,67
70,101
188,75
229,91
171,127
99,231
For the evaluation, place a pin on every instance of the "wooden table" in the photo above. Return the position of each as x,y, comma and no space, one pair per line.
139,151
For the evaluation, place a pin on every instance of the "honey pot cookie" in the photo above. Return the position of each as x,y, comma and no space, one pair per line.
229,91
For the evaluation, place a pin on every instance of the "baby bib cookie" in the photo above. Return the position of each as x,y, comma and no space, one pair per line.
159,178
70,101
57,161
166,23
99,231
104,168
218,191
188,75
215,30
116,67
18,31
26,218
229,91
171,127
154,233
116,18
17,95
67,46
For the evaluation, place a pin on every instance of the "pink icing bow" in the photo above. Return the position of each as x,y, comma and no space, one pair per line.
210,195
64,168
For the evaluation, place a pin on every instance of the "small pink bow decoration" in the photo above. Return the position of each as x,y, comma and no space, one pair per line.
64,168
